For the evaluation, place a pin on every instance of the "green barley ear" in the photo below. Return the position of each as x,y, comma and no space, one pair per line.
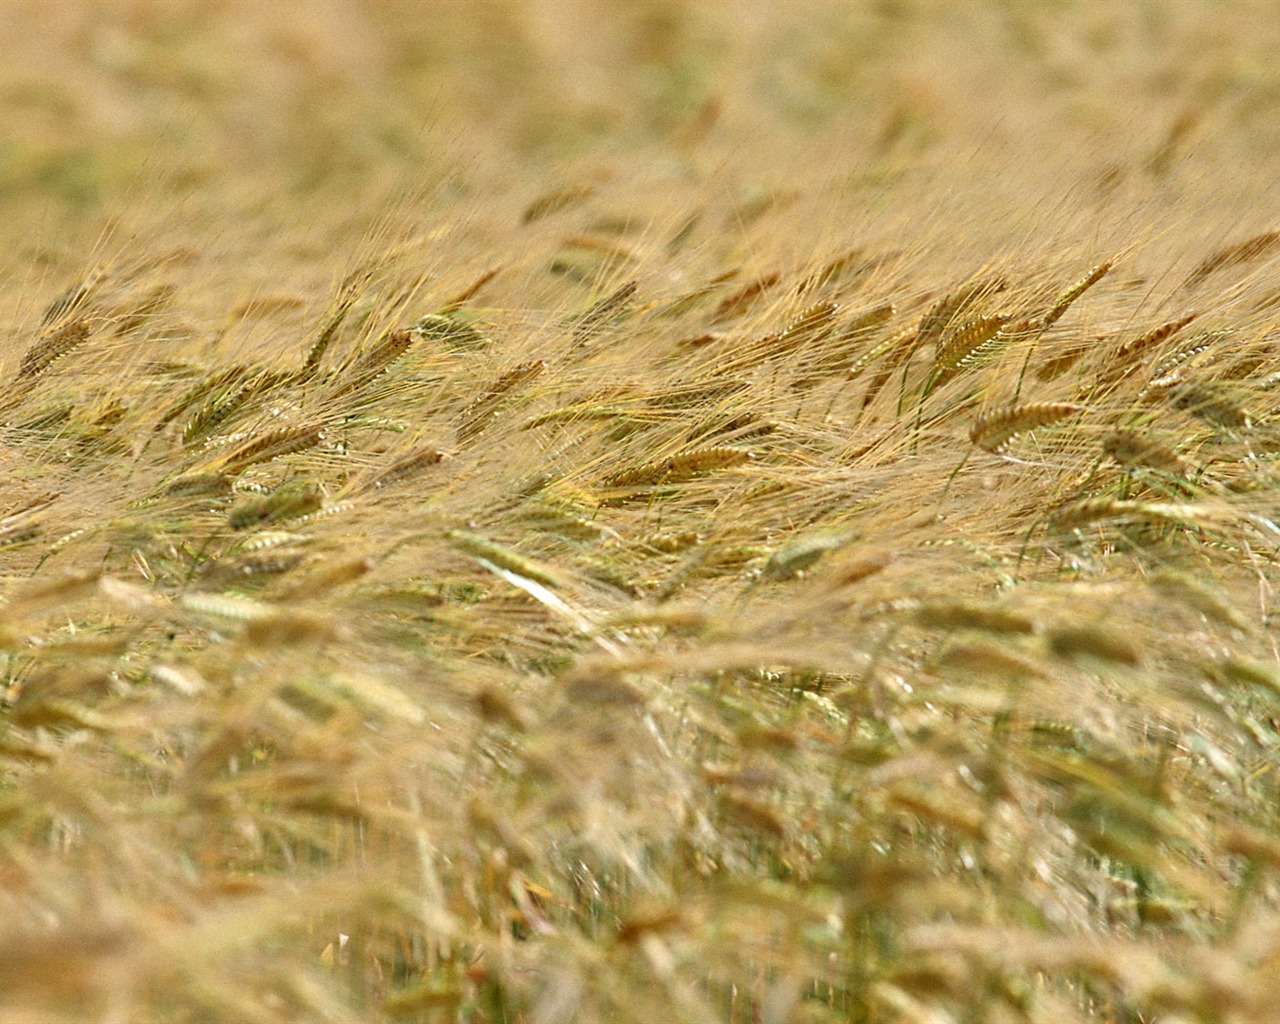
1126,358
487,551
1210,402
208,390
894,350
327,331
224,403
350,291
802,553
366,367
198,484
832,271
452,331
1152,338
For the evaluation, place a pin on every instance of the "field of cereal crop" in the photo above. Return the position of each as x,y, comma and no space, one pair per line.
711,511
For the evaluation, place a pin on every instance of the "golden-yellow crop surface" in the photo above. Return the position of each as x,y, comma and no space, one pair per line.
517,513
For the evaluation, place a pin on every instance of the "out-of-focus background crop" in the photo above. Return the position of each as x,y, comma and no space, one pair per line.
300,118
184,101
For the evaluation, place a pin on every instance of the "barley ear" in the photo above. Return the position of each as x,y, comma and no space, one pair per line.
967,344
993,432
1074,291
52,346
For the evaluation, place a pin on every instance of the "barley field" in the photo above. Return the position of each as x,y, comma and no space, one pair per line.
519,513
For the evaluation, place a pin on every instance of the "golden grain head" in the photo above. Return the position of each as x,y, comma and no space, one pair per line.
994,430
